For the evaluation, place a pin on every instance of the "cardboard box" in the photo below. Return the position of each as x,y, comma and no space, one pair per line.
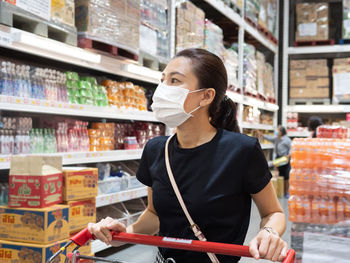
84,250
35,181
297,78
317,71
79,183
63,11
312,21
81,213
11,252
45,225
298,64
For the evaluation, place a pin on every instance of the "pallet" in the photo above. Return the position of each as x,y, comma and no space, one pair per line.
336,101
88,42
267,34
309,101
13,16
314,43
272,100
261,97
152,62
251,22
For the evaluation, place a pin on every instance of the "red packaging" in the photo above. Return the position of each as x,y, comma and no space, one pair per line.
35,181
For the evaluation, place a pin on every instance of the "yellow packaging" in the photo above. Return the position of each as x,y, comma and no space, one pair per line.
79,183
81,213
40,225
17,252
63,11
84,250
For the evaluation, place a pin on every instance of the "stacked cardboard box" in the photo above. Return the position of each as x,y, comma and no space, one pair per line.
35,226
341,78
312,22
113,22
63,11
189,26
252,9
272,16
260,74
213,39
263,14
309,79
346,19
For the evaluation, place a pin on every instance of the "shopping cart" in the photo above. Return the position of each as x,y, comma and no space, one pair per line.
167,242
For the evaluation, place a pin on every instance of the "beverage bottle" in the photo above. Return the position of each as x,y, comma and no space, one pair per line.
11,142
331,205
32,141
323,204
340,209
18,143
292,205
2,142
54,141
346,201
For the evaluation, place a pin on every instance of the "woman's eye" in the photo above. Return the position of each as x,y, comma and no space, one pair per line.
173,80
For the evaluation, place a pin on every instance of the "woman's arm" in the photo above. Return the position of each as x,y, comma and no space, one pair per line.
268,244
148,223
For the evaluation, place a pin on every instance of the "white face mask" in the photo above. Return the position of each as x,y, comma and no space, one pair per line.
168,105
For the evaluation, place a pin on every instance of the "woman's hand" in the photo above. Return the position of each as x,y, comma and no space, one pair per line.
268,246
102,229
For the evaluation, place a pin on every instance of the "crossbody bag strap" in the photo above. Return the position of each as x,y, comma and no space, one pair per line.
196,230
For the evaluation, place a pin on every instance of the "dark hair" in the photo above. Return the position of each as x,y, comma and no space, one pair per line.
211,73
283,130
313,123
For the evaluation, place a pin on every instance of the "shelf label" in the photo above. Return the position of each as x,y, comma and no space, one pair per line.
40,8
5,39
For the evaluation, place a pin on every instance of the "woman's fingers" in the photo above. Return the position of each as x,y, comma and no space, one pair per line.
264,246
102,229
278,251
273,245
253,248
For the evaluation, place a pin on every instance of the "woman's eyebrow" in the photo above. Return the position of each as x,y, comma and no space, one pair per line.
174,73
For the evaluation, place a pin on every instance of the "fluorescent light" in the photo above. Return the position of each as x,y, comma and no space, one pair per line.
143,71
55,47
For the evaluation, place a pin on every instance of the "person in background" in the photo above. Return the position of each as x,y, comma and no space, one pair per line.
313,123
282,147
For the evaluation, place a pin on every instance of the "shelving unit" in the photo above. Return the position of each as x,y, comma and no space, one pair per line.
318,51
37,46
85,157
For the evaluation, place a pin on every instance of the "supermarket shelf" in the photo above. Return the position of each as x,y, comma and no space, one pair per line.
267,146
239,98
109,199
237,19
299,134
319,108
10,103
319,49
86,157
245,125
48,48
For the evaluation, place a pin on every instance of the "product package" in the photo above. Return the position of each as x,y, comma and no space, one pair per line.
272,17
252,9
122,27
312,22
213,38
35,181
309,79
269,82
341,78
63,11
11,252
261,64
189,26
79,183
230,58
263,14
81,213
44,225
346,19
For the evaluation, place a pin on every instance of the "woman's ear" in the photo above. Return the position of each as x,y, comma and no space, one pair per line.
208,97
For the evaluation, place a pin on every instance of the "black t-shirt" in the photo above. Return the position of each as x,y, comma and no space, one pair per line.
215,180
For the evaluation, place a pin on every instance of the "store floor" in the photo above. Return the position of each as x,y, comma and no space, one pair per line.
146,254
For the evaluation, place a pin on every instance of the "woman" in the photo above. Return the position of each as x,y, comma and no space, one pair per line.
312,124
217,169
283,146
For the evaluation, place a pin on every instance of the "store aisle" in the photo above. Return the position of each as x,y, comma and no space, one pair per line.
146,254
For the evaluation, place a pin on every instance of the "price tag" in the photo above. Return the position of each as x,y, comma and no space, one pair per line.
47,104
33,102
9,99
2,160
5,39
18,101
60,105
69,156
25,101
81,107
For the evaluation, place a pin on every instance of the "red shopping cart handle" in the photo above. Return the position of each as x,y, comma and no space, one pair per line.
178,243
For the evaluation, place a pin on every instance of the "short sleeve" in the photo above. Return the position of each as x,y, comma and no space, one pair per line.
258,174
143,173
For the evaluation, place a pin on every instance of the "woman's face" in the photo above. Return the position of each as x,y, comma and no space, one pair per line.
179,73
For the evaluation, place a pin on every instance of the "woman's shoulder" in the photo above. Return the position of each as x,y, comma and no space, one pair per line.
156,143
235,138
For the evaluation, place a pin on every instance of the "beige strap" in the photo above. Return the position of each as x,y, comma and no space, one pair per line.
196,230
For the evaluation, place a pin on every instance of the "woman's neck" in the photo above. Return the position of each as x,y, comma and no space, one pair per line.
195,132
